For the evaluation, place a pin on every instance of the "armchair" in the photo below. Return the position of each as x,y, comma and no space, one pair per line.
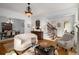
23,41
67,41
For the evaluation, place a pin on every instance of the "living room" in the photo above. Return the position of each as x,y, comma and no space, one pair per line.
39,28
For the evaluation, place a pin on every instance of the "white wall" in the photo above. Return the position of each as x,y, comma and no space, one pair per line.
12,14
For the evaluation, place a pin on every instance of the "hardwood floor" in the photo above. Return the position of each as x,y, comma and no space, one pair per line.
8,45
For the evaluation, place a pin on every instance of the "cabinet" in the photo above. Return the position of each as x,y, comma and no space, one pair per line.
39,34
6,26
7,30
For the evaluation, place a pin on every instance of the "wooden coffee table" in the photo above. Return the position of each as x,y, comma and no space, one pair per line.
45,47
47,43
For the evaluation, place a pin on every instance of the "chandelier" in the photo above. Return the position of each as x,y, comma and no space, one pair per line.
28,11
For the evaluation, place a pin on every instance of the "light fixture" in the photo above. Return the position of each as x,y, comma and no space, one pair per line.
28,11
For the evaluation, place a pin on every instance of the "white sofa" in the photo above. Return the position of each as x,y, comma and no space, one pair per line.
67,41
23,41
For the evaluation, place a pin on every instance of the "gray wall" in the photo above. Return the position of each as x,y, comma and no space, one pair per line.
18,24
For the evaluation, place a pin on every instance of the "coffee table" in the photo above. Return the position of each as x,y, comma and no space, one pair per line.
47,43
46,47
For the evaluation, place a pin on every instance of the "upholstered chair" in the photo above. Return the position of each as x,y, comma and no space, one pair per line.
23,41
67,41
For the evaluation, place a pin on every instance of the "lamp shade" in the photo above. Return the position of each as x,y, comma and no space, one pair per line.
28,13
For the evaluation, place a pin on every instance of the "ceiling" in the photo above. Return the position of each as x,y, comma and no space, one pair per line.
38,8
